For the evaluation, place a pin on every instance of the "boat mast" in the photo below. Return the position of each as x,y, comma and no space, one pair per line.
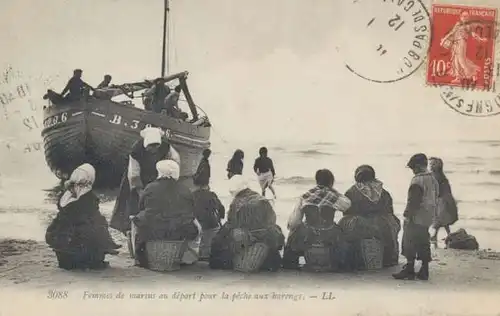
165,65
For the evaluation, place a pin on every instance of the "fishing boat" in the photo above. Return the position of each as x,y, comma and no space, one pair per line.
99,130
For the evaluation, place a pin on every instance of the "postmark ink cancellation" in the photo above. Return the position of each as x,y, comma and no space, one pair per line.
387,39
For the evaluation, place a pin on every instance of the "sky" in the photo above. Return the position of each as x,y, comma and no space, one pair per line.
264,70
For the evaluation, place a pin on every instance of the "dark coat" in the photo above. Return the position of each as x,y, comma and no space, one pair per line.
234,166
202,175
79,226
208,209
166,212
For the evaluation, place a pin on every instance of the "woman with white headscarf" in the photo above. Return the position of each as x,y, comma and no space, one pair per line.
146,152
166,211
79,233
251,219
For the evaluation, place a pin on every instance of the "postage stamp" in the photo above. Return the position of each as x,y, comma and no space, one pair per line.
384,41
462,51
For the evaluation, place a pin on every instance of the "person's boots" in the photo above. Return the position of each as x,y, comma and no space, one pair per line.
290,259
423,273
407,273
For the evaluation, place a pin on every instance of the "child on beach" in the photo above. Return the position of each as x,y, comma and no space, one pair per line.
419,213
235,164
209,211
264,168
447,212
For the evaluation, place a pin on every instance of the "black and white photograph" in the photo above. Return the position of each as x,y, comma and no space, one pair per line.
279,157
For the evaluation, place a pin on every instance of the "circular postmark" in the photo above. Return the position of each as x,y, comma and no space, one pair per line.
385,41
462,59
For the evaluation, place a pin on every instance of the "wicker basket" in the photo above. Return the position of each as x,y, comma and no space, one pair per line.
372,253
318,258
164,255
251,259
206,242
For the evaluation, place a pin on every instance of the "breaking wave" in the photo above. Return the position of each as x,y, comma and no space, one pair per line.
312,152
296,180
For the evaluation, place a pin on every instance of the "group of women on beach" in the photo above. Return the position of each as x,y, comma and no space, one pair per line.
160,206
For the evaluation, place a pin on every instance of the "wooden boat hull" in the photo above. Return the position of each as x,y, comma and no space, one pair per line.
102,133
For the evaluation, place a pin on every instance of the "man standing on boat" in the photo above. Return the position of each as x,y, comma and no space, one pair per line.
75,87
146,152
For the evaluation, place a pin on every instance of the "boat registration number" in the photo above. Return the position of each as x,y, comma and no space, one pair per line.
56,119
135,124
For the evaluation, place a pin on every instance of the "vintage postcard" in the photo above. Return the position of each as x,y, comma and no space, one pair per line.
276,157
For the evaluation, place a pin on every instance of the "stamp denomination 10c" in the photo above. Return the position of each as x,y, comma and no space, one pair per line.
462,51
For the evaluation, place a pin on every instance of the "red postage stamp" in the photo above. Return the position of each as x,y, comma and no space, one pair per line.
462,50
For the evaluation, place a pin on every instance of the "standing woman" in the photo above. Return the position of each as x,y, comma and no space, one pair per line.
146,152
447,211
235,165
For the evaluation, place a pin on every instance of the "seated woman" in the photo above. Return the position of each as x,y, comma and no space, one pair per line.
318,206
79,233
166,211
250,219
371,215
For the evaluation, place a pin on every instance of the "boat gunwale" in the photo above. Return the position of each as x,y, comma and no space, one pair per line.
199,134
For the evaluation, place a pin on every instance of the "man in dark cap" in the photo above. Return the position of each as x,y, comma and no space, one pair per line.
419,213
75,86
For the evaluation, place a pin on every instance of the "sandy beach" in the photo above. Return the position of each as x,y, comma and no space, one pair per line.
462,283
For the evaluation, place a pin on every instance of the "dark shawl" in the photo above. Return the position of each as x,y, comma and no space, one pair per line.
234,166
208,208
372,218
447,210
251,219
202,175
166,212
80,225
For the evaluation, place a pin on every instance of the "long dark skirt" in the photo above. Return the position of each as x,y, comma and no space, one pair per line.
416,242
304,237
447,212
81,259
224,246
382,227
126,205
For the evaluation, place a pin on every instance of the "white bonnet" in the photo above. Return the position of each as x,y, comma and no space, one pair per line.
151,135
237,184
168,169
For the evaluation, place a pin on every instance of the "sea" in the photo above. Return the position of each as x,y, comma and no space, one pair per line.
27,201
